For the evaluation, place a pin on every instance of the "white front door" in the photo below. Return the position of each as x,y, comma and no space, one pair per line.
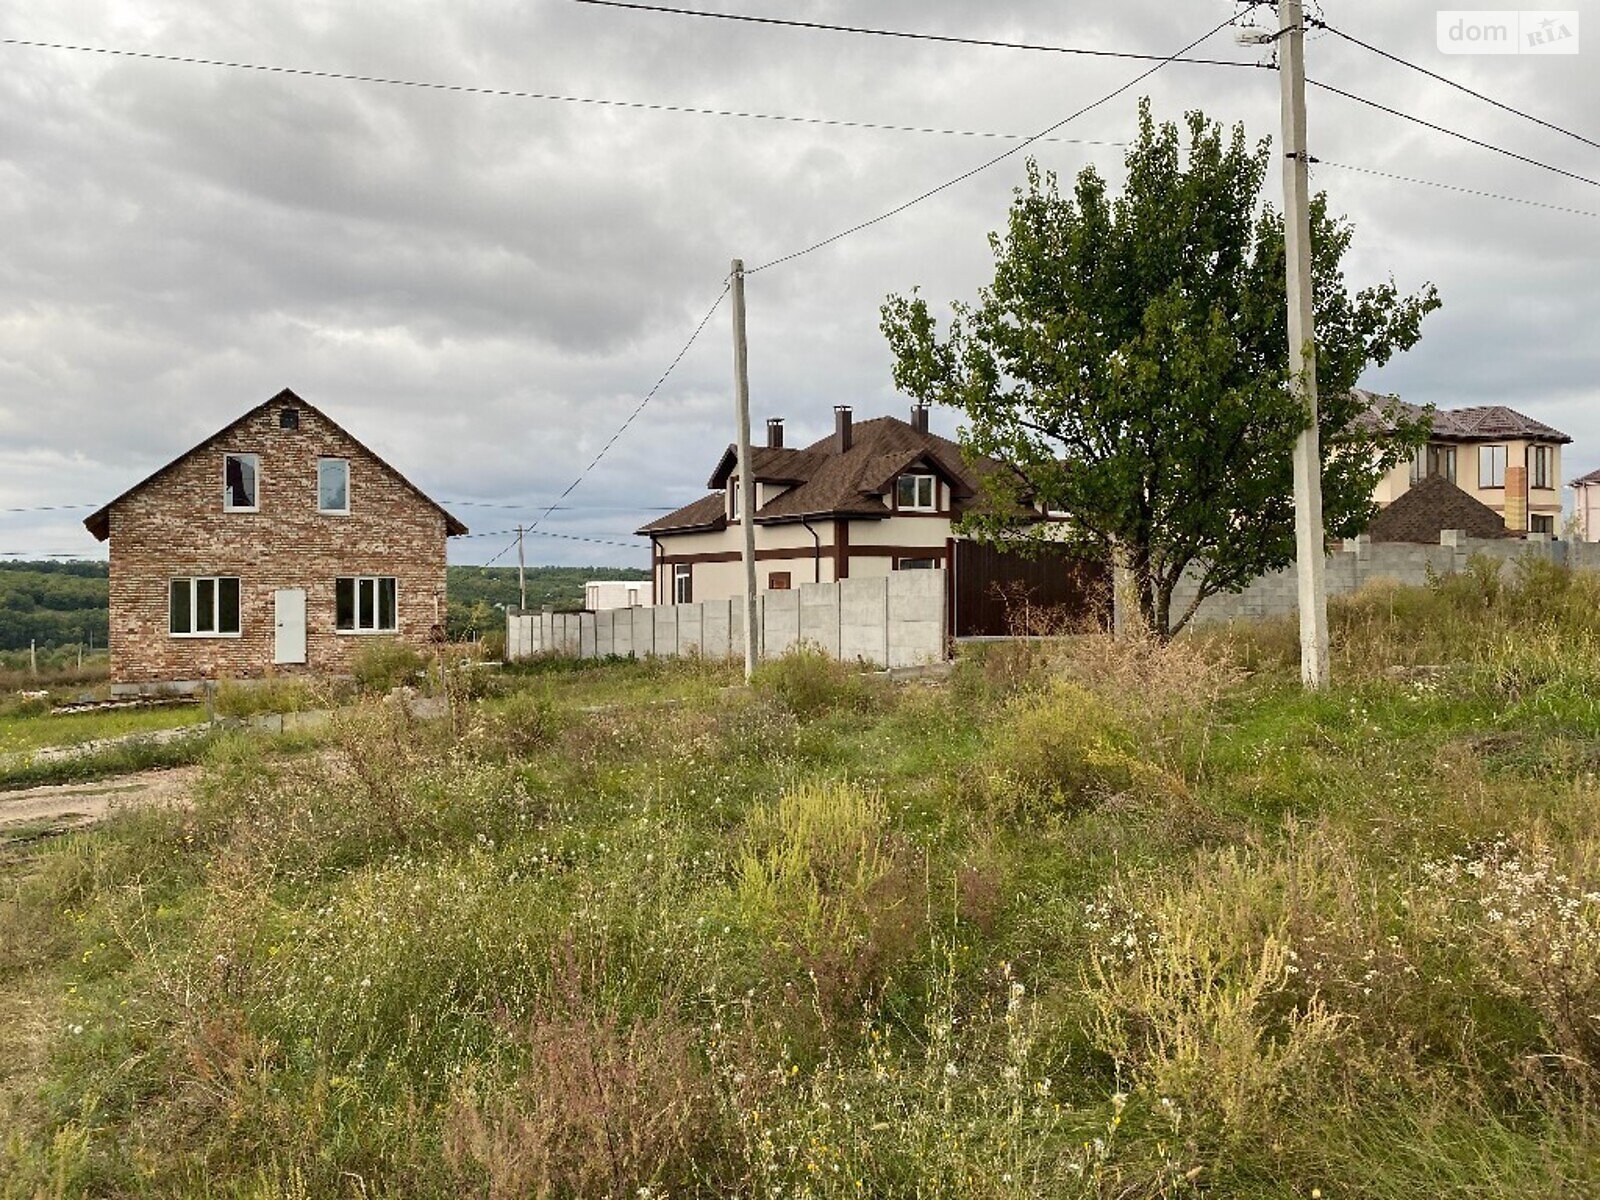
289,625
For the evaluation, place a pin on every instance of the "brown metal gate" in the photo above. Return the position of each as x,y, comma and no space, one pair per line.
994,593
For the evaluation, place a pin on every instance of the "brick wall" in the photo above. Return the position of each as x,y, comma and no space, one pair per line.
175,526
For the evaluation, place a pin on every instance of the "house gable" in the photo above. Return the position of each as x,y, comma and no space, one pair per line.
228,439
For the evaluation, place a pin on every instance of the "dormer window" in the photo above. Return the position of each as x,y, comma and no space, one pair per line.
915,493
241,478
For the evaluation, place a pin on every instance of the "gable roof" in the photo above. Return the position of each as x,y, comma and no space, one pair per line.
1591,477
1429,508
825,483
99,522
1476,423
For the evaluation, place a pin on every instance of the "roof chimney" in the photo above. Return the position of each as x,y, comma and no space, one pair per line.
919,417
775,433
841,428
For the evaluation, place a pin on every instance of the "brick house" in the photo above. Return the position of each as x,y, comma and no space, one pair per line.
277,545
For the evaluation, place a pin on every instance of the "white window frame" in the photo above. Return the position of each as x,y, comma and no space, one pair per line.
1545,518
216,582
357,629
334,512
1489,455
682,581
903,564
918,479
255,467
735,500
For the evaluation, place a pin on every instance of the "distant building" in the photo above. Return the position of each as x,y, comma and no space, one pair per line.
599,595
1587,507
278,544
1507,461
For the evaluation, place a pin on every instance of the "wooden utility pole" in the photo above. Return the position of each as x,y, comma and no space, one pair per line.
1309,538
747,490
522,574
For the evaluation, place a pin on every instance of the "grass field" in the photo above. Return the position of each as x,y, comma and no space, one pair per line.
1089,920
23,732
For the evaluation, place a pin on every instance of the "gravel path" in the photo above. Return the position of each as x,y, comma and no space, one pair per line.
70,805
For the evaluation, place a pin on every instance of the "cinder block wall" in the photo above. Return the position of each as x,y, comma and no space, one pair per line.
1360,562
897,620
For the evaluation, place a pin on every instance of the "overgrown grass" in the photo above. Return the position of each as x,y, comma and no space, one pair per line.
33,729
1094,919
124,758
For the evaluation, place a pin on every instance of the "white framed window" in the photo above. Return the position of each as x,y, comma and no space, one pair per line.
735,499
682,583
366,604
916,564
1433,460
1491,466
241,483
1539,466
333,486
916,493
203,606
1541,523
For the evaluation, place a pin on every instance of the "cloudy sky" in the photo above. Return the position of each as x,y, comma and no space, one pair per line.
483,287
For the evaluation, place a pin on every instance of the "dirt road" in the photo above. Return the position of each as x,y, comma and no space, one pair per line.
34,811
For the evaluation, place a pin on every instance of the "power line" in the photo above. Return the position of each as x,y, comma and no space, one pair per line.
565,537
631,418
911,35
999,158
1395,112
1450,187
50,508
513,94
531,506
1460,87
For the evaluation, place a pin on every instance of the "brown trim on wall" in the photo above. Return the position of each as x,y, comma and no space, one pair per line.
841,550
841,555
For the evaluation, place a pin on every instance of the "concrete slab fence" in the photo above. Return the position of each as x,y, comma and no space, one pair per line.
897,620
1362,561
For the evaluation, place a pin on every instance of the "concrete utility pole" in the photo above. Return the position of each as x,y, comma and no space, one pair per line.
522,574
747,491
1309,539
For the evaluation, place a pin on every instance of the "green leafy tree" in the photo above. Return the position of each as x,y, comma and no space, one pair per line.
1129,363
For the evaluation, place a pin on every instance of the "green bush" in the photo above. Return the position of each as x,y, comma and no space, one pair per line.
383,664
238,700
810,682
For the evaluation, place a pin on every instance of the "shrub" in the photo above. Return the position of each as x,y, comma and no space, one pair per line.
383,664
1060,750
522,724
273,695
606,1106
811,682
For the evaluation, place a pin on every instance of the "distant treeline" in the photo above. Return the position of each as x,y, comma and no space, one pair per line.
479,594
53,603
65,603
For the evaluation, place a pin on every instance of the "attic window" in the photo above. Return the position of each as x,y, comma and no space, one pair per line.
241,475
289,418
914,493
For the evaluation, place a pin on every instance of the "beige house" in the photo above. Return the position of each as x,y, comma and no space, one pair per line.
874,497
1587,506
1507,461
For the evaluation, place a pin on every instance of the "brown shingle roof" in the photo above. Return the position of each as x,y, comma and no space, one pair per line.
1479,423
1431,507
99,522
1591,477
826,483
